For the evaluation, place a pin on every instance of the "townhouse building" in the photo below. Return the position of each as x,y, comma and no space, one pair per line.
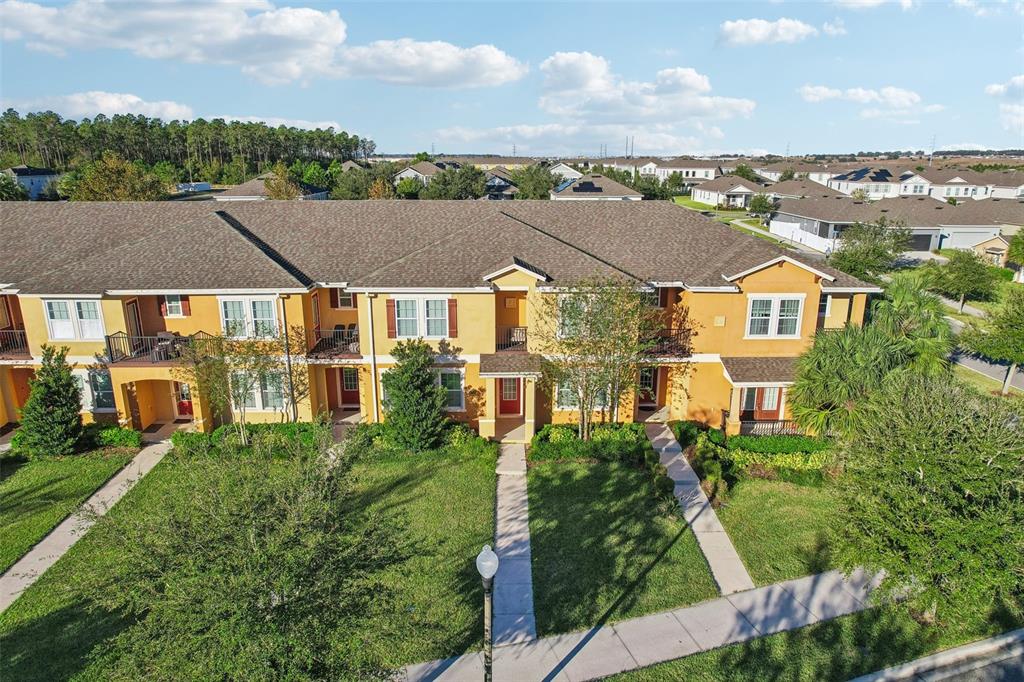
124,286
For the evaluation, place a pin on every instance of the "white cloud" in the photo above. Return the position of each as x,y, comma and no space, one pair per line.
1012,117
819,93
270,44
889,103
567,139
582,85
742,32
81,104
978,9
964,145
275,121
834,28
435,63
1012,87
869,4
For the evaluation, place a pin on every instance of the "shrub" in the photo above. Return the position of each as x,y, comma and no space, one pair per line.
107,435
51,421
800,461
190,444
664,486
778,444
716,437
306,433
609,443
459,436
686,432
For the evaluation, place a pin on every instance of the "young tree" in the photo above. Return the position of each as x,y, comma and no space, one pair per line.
868,250
915,316
931,495
837,376
315,175
415,407
467,182
1015,255
279,183
11,189
595,334
965,275
746,172
51,419
228,577
761,205
409,188
534,182
787,174
859,195
113,179
422,156
1001,336
352,185
381,189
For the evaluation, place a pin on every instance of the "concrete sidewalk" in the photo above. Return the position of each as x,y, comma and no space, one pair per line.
726,566
27,570
997,658
639,642
514,621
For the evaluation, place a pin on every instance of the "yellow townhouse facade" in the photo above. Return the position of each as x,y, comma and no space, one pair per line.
124,286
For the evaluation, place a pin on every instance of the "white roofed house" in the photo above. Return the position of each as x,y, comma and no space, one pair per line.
728,190
564,171
814,172
876,183
34,180
422,171
692,171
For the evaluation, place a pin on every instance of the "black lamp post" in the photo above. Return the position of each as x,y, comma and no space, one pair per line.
487,565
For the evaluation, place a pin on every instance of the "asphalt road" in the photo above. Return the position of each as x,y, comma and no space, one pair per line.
992,370
1005,670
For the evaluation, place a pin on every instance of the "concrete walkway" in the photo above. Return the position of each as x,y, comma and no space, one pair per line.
639,642
27,570
514,621
726,565
994,659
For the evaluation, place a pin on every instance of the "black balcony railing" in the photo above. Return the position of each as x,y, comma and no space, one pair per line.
784,427
162,348
511,338
13,343
335,342
670,341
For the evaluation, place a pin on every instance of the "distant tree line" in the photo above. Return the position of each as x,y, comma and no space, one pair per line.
215,151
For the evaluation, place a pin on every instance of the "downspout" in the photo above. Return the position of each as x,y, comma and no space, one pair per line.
373,357
288,357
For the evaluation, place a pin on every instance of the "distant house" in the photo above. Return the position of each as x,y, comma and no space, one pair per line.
350,165
34,180
193,187
815,172
875,183
500,185
594,187
486,163
565,171
993,250
728,190
692,171
256,190
422,171
800,189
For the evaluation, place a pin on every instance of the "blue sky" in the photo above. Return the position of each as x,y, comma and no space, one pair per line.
549,78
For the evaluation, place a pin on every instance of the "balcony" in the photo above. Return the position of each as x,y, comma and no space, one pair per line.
341,342
510,338
671,341
783,427
13,344
163,348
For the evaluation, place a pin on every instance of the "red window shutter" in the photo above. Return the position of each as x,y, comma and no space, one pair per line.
163,305
334,297
392,326
186,307
453,318
663,297
354,304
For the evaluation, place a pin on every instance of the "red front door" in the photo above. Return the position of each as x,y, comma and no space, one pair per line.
768,401
183,399
349,387
509,397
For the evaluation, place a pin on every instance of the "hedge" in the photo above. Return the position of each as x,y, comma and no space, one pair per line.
98,435
304,432
797,461
778,444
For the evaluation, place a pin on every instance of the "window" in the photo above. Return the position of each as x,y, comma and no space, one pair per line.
172,305
774,317
769,398
243,317
102,390
509,390
406,322
567,399
569,315
345,299
451,380
266,396
349,379
74,320
436,312
824,305
749,400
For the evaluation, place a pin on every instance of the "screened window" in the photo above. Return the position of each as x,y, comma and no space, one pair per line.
570,311
89,319
452,383
58,314
566,397
272,392
789,317
102,390
173,305
437,317
406,323
345,299
770,398
242,317
69,320
760,317
774,317
234,318
263,321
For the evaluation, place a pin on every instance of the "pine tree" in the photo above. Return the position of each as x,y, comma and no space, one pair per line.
51,421
415,405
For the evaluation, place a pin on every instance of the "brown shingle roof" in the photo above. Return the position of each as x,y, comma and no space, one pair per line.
801,188
913,211
596,185
512,363
760,370
257,187
725,183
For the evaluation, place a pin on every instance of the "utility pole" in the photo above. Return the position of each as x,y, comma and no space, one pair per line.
932,152
787,151
513,149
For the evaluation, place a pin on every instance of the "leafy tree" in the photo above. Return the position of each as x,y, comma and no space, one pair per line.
1015,254
1001,336
11,189
422,156
279,183
381,189
838,375
951,201
787,174
859,195
353,185
534,182
965,275
409,188
316,175
761,205
746,172
931,496
675,185
51,421
333,171
66,183
595,334
910,313
467,182
868,250
415,406
230,575
114,179
649,186
169,174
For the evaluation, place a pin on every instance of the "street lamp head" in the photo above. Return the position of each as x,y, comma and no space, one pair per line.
487,562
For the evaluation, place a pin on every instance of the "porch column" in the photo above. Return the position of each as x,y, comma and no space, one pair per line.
202,418
732,426
487,425
858,302
122,401
529,407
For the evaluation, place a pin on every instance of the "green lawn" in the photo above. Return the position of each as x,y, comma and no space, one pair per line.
779,528
980,381
836,650
445,501
601,549
37,495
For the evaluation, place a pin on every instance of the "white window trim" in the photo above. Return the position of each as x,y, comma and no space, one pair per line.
575,408
250,327
167,307
773,320
351,299
260,407
462,381
73,318
828,304
88,402
421,315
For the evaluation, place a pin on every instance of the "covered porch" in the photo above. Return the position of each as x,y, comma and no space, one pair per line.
757,405
510,396
157,404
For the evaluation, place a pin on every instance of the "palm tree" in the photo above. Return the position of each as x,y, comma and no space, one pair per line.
839,373
913,315
1015,254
